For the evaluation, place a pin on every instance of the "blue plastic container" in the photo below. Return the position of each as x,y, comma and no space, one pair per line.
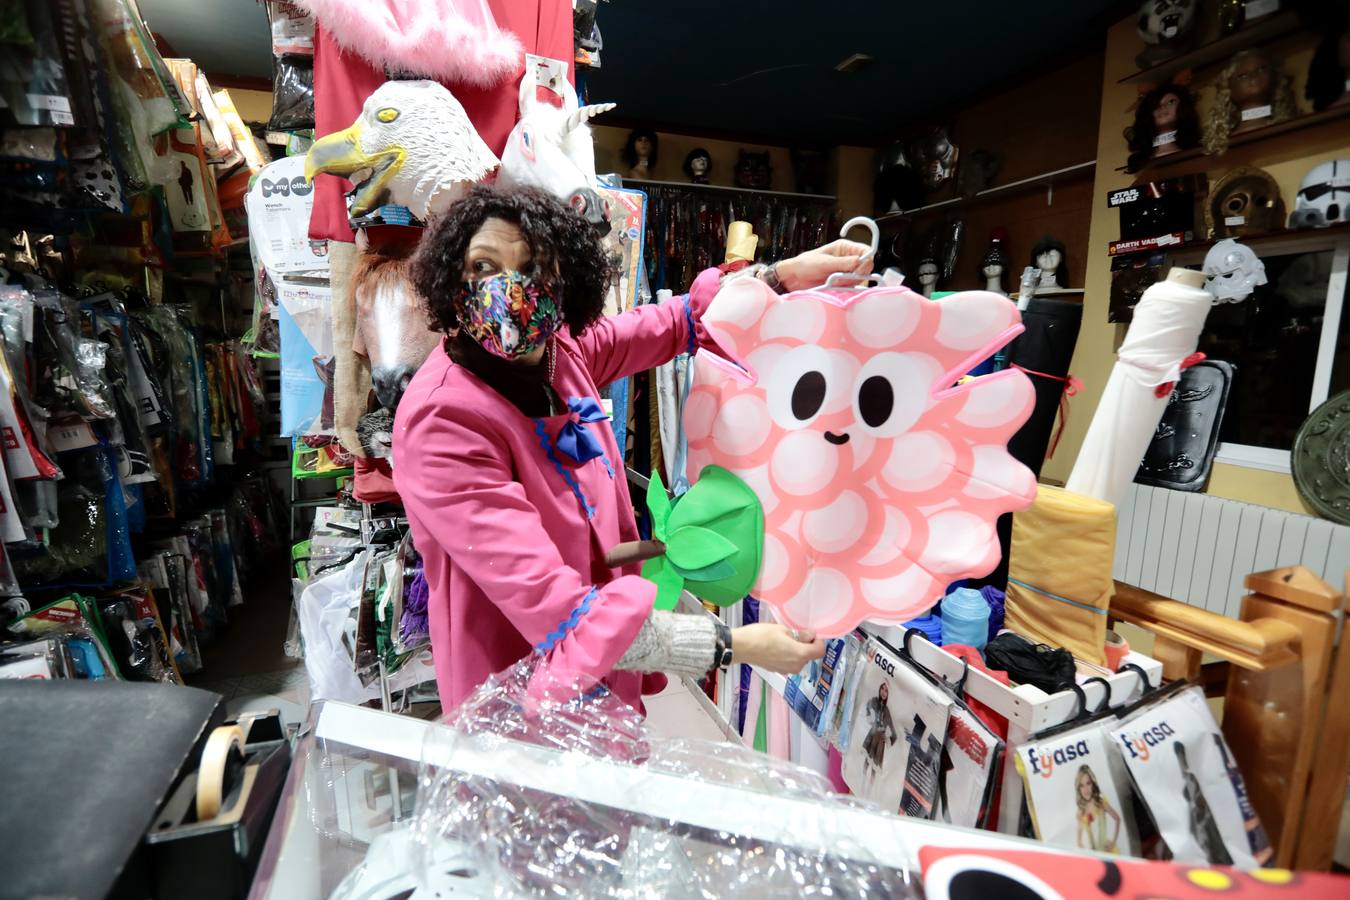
965,618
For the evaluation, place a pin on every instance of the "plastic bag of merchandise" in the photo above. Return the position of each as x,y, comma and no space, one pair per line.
34,82
91,544
70,366
77,618
1185,773
545,784
292,66
325,613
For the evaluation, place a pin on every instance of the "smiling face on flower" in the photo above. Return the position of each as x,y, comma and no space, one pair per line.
880,478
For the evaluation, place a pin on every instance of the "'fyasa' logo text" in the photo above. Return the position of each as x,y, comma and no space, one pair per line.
1043,761
1140,745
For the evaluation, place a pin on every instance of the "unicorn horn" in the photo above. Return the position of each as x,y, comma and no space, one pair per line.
585,114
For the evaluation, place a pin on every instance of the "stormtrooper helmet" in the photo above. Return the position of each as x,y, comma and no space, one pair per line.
1323,196
1232,271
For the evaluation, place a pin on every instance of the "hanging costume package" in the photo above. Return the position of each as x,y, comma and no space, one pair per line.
1048,601
1185,774
1078,791
278,206
325,612
881,478
306,358
292,67
899,724
814,693
972,766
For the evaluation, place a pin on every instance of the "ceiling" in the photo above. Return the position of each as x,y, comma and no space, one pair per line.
753,70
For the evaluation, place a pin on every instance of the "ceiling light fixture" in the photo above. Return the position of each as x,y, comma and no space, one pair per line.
855,63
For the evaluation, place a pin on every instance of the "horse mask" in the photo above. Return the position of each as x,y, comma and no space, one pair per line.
880,476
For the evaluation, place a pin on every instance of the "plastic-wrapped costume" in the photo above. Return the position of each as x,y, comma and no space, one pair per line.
589,804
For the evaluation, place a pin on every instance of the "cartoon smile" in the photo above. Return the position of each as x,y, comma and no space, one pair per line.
836,439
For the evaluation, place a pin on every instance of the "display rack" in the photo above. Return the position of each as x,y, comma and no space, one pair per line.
1045,179
1258,32
1308,235
1027,708
647,182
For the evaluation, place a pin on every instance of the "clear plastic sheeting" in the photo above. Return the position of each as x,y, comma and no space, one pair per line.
589,803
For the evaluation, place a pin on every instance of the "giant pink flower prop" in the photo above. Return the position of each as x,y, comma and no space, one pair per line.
881,478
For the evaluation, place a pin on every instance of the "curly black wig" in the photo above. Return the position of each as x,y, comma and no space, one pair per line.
560,240
1140,135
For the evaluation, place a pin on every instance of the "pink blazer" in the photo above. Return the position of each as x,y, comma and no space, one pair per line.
513,533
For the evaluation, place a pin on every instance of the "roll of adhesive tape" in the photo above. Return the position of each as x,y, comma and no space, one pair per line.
211,772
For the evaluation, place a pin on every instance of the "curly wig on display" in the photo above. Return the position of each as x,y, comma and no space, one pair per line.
1224,115
563,246
1140,135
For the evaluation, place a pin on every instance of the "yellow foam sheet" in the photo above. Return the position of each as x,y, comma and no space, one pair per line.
1059,571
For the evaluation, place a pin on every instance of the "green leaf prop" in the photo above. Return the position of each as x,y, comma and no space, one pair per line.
714,537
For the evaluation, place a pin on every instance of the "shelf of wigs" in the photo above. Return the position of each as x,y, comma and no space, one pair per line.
642,182
1258,32
1044,179
1238,138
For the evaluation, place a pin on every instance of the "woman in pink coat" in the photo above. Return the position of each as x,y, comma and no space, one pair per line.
510,473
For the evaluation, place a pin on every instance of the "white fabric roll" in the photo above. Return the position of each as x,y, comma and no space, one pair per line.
1166,327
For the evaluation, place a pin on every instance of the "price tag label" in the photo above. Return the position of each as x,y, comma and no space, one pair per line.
1235,220
62,118
1257,8
1167,137
1256,112
71,435
1168,239
50,102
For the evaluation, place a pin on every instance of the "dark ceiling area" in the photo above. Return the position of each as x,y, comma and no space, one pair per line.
761,69
768,69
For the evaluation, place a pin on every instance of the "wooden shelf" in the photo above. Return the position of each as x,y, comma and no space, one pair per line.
642,182
1267,28
1044,179
1330,232
1294,123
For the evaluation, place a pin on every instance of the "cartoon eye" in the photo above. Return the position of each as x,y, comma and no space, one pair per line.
964,877
808,395
891,394
386,115
799,387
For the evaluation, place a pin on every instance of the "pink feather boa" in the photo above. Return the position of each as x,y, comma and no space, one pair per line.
448,40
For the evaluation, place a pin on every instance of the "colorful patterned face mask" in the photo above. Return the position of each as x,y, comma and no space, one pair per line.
508,314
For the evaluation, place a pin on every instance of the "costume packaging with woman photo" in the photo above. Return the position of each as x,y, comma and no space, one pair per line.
1078,791
899,722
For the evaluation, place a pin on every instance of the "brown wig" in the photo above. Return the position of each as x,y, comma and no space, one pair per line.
564,248
1140,135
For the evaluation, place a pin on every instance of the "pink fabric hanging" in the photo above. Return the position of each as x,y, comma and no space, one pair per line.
449,40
